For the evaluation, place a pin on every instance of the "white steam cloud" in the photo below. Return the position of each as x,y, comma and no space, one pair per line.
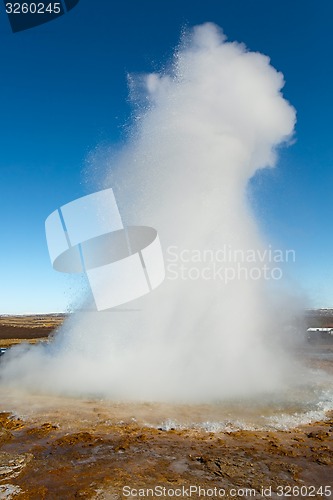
213,120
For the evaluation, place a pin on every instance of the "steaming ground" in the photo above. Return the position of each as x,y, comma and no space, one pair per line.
212,121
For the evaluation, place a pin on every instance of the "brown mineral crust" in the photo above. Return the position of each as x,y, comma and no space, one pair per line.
98,462
8,421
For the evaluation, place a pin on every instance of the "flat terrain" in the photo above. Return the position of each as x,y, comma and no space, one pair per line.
29,328
81,449
66,448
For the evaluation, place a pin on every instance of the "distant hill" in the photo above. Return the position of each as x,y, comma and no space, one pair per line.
31,326
320,318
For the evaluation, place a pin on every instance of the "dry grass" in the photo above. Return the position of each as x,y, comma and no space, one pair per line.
16,329
12,342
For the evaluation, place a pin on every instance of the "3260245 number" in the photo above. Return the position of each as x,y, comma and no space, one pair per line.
33,8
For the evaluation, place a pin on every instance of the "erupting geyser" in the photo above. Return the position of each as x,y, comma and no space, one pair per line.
212,121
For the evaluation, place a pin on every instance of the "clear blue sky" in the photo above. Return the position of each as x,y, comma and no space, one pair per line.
64,92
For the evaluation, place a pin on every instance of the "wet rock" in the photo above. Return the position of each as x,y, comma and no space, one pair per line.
5,435
9,491
8,421
11,465
43,429
323,460
77,438
320,435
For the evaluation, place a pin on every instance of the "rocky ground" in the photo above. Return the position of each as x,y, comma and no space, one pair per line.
97,457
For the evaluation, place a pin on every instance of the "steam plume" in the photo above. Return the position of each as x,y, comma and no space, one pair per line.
210,123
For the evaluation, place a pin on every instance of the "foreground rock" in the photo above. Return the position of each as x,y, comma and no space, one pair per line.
97,459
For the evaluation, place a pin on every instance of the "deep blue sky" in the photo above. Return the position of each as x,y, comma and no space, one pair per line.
64,92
